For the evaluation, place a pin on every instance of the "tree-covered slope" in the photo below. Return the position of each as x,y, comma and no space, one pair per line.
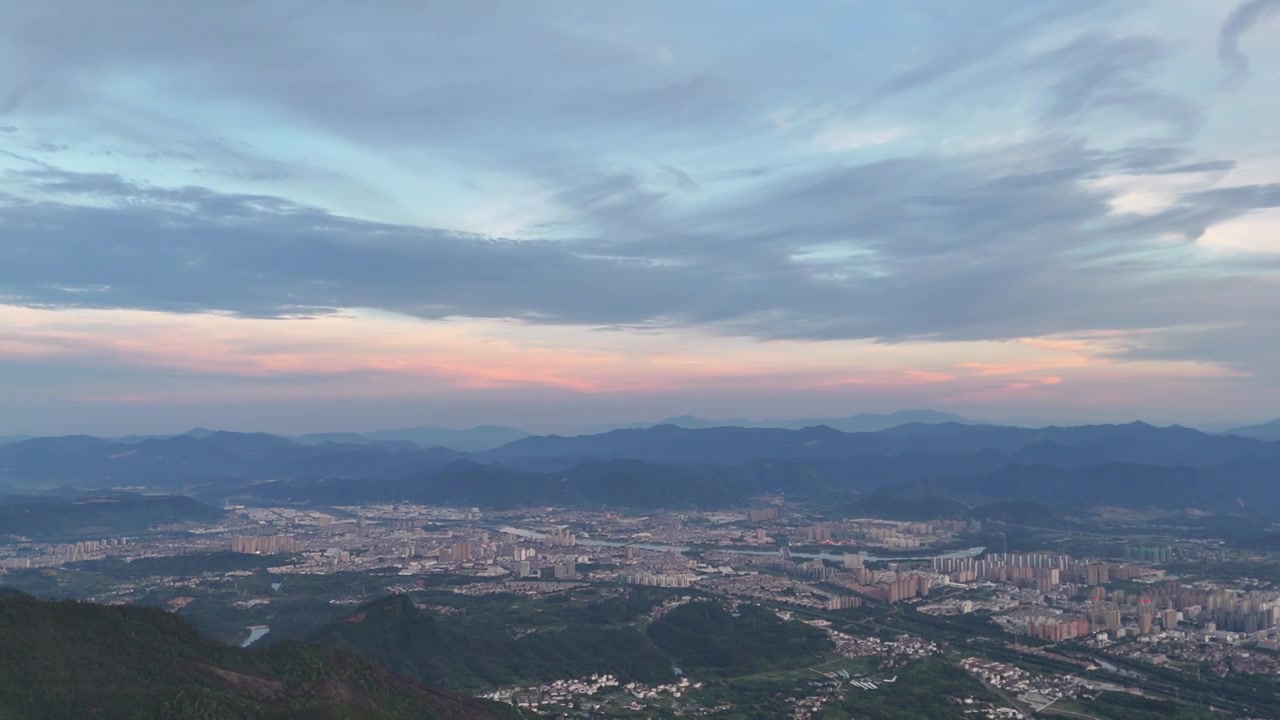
459,654
76,660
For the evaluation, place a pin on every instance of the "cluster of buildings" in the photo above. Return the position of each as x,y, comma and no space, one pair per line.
53,555
888,534
1040,571
591,694
665,580
778,589
891,653
832,689
1047,625
557,692
1168,605
1037,690
1160,554
1218,653
265,544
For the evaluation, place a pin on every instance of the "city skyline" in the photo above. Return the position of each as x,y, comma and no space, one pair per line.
296,217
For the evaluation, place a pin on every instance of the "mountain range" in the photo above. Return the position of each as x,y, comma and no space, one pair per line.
862,422
668,466
1087,444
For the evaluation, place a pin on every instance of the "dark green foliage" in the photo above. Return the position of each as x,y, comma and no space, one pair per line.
192,565
73,660
1124,706
927,689
706,637
907,508
1020,513
473,654
48,520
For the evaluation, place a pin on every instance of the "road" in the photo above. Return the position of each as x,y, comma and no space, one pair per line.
1047,709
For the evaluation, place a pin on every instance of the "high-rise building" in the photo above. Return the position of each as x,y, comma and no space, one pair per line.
265,544
562,537
1097,574
817,533
1145,615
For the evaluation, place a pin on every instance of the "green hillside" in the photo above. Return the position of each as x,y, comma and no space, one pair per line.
477,649
76,660
706,638
473,655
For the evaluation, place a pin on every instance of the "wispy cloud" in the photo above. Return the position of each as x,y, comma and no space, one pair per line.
984,183
1242,19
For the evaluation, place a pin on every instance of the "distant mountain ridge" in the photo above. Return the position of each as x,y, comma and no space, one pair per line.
662,467
189,461
1090,444
1242,486
1261,431
481,437
861,422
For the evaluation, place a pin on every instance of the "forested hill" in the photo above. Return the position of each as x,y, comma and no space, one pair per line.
76,660
611,636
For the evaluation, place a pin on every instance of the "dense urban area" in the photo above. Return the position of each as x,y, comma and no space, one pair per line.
814,616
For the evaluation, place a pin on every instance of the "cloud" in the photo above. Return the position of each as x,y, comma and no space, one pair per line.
1098,71
838,138
1000,30
1242,19
554,169
1011,243
392,76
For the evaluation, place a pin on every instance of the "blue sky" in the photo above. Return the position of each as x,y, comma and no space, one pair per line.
311,215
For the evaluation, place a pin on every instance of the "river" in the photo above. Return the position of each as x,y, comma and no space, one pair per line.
256,633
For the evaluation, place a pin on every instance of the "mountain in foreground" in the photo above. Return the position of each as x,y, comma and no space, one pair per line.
65,659
611,637
393,632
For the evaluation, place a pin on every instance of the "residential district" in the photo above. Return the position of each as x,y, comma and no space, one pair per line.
1092,613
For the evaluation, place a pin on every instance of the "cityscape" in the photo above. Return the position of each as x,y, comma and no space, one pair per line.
1001,616
657,360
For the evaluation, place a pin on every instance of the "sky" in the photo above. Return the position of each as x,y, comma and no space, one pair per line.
307,215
